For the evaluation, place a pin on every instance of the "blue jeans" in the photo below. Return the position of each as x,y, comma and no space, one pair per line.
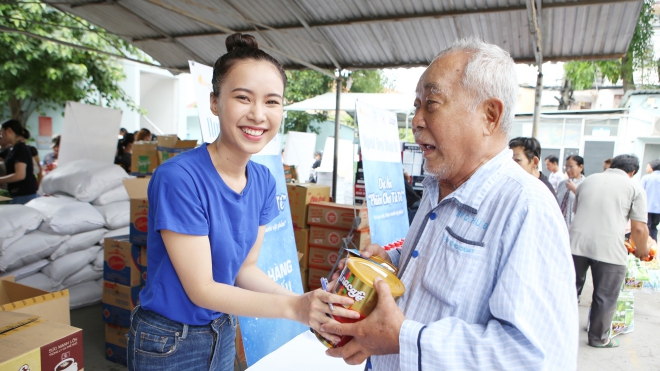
158,343
22,200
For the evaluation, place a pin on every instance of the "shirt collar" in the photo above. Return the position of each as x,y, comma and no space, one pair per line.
471,193
617,171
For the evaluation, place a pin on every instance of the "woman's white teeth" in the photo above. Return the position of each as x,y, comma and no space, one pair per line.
252,132
429,147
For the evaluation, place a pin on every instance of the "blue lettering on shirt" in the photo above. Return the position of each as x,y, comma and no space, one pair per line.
464,216
456,246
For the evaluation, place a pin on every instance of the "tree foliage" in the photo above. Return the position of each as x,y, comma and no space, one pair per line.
307,84
38,74
582,74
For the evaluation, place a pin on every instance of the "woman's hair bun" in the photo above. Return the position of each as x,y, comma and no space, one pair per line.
238,40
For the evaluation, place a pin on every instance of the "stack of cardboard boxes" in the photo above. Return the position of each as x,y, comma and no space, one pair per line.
34,330
300,196
148,155
124,272
329,224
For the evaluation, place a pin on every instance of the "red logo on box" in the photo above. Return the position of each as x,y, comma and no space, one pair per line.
141,224
334,238
116,263
331,217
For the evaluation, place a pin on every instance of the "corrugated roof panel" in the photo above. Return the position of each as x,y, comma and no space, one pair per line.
173,23
166,53
113,18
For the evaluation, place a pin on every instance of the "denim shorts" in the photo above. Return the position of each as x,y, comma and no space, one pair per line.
158,343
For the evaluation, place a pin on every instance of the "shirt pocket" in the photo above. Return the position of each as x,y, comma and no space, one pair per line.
453,267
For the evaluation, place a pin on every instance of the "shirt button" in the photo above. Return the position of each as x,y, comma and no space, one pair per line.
415,253
432,216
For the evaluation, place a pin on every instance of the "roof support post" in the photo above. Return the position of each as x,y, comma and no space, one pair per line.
534,18
335,160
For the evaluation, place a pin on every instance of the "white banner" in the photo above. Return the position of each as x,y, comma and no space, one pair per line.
89,132
209,123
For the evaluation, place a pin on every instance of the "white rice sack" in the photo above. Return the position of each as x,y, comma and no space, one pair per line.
117,214
40,281
85,180
113,195
85,294
66,266
15,222
30,248
116,233
86,274
77,242
97,264
65,215
27,270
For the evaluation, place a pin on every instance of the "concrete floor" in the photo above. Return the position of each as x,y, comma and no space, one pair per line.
638,350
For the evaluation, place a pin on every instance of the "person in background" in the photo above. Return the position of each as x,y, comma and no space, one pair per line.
143,135
207,219
50,160
122,132
651,184
486,262
526,153
607,163
21,182
318,156
603,205
125,152
5,148
567,188
556,176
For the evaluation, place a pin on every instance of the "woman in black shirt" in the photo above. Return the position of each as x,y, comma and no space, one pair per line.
20,179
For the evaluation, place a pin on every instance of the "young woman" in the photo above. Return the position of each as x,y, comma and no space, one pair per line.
20,179
567,188
207,217
527,154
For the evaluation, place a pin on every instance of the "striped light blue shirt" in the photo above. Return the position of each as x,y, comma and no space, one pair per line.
490,284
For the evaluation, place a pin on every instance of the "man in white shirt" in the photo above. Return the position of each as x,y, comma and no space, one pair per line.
556,176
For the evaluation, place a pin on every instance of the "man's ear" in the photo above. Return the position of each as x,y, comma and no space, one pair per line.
214,103
536,161
494,113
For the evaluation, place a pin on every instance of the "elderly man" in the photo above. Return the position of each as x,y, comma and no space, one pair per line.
486,264
603,205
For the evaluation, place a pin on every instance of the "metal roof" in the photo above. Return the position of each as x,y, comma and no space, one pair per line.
361,33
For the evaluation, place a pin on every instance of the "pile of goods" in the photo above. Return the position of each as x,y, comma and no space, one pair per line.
54,241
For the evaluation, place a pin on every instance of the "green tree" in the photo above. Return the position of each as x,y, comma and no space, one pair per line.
38,74
581,75
307,84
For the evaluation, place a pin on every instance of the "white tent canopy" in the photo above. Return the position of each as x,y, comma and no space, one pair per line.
395,102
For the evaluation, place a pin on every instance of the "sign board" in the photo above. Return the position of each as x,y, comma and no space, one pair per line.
299,151
89,132
209,123
383,174
278,257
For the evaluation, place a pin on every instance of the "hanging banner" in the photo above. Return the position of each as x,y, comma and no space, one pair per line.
278,257
209,123
383,174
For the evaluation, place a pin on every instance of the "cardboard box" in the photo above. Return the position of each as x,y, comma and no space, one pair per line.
302,244
137,192
28,342
170,146
330,214
304,276
300,196
120,261
315,275
116,343
144,159
118,302
50,306
334,238
142,264
322,257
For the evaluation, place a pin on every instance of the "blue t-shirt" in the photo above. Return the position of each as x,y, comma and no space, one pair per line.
188,196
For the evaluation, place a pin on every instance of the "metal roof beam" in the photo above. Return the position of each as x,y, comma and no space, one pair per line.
227,30
401,18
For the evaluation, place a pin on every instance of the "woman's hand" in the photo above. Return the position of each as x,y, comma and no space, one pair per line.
313,310
571,186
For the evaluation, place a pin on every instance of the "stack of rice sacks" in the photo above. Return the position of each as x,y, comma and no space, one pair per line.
54,242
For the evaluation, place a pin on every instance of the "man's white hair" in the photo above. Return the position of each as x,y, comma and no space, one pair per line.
490,73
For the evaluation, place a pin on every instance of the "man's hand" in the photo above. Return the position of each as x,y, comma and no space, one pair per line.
375,335
367,252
